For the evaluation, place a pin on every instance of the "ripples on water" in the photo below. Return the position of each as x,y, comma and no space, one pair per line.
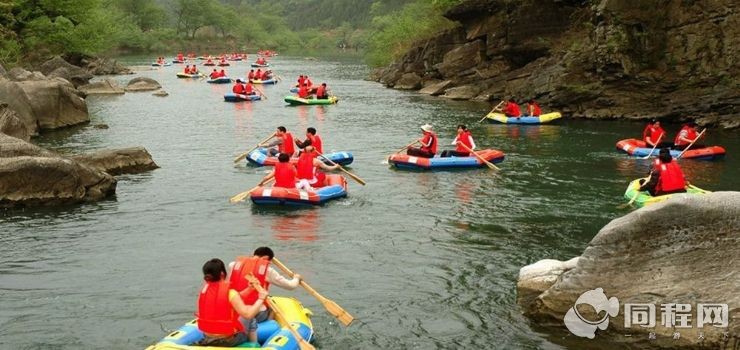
422,260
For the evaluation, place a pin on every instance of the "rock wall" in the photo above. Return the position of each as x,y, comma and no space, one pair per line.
672,59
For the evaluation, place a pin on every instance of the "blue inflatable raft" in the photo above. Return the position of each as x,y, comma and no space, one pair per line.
221,80
259,157
336,187
232,97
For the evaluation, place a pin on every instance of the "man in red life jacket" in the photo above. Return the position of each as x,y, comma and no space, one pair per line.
666,176
428,144
308,82
257,265
250,76
258,74
307,170
284,172
303,91
301,80
656,134
463,138
222,73
321,92
220,306
311,140
512,109
209,62
283,143
533,109
249,88
267,75
180,57
239,88
187,69
686,136
214,74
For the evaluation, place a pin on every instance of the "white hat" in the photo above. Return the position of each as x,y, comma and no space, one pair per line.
426,127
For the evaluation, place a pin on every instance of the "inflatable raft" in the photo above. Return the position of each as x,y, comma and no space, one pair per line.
268,81
185,76
166,64
223,64
644,198
255,65
270,334
259,157
178,61
336,187
638,148
232,97
311,91
221,80
404,161
297,101
495,117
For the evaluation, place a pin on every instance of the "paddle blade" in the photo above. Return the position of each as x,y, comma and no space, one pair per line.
240,157
333,308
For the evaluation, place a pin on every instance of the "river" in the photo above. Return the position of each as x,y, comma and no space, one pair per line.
423,260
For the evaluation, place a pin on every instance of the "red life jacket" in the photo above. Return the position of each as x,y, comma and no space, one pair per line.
432,148
287,146
308,82
304,167
303,91
655,133
301,80
238,89
512,110
316,143
214,75
215,313
248,89
534,110
690,134
250,76
284,175
320,179
222,73
464,138
209,61
243,266
645,132
320,91
671,178
258,75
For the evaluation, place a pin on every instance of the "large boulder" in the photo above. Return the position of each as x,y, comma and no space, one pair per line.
104,87
408,81
58,67
681,251
11,124
464,92
15,147
119,161
143,84
55,103
20,74
436,89
105,66
12,94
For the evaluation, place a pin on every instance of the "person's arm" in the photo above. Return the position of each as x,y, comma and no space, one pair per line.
246,311
278,141
322,165
454,142
277,279
427,143
303,144
472,143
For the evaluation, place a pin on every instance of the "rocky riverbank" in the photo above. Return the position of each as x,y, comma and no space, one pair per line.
674,60
48,99
682,251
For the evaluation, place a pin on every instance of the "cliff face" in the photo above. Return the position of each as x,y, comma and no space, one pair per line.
674,59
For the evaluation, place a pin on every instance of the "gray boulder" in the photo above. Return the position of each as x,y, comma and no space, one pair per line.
58,67
408,81
11,124
106,66
15,147
142,84
20,74
55,103
160,93
684,250
104,87
12,94
119,161
436,89
464,92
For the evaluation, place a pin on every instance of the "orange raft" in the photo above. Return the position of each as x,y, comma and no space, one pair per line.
638,148
336,187
404,161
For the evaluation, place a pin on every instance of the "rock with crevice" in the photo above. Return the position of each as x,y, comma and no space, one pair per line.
142,84
55,103
11,124
465,92
119,161
408,81
58,67
436,89
103,87
13,95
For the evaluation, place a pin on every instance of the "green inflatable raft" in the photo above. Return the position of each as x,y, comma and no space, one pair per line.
641,199
297,101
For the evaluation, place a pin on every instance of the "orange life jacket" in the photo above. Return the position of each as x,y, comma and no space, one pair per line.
303,91
690,134
512,110
248,89
238,89
655,134
320,91
284,175
304,167
287,146
463,138
534,110
671,178
243,266
432,148
215,313
646,132
316,143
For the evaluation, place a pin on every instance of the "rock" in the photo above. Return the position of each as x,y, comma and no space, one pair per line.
684,250
538,277
465,92
106,66
436,89
12,94
15,147
119,161
142,84
460,59
408,81
105,87
55,104
58,67
3,72
20,74
11,124
101,126
160,93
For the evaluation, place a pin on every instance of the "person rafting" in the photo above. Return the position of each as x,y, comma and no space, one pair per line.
209,62
214,74
307,170
250,75
249,88
239,88
463,138
187,69
220,306
267,75
301,80
308,81
222,73
283,143
258,74
311,140
321,92
512,109
180,56
284,172
655,134
533,109
258,265
686,136
223,61
665,177
303,91
428,144
160,60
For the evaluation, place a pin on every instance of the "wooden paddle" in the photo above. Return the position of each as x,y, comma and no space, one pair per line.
244,155
637,193
355,177
262,93
242,196
656,145
404,148
493,110
487,163
691,144
302,343
333,308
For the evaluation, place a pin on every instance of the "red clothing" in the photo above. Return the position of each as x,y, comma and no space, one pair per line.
534,109
238,89
316,143
258,75
304,167
222,73
301,80
214,75
655,134
243,266
321,92
250,76
287,146
464,138
303,92
687,132
248,89
429,142
285,175
215,313
308,82
646,132
512,109
671,178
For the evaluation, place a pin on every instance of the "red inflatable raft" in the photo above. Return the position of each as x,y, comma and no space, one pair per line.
335,187
638,148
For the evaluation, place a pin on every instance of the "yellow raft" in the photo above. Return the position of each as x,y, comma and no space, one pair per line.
496,117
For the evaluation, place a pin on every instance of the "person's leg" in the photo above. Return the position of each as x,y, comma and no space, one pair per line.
460,154
446,153
426,154
413,151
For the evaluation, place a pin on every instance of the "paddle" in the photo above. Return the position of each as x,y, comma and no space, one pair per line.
691,144
487,163
244,155
355,177
241,196
333,308
637,193
302,343
262,93
656,145
404,148
493,110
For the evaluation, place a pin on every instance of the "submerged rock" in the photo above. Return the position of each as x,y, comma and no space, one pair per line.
119,161
684,251
160,93
142,84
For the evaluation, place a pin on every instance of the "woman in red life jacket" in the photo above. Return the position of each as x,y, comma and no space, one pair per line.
284,172
250,76
303,91
283,143
249,89
187,69
666,176
311,140
258,74
463,138
267,75
222,73
428,144
219,308
307,169
214,74
512,109
321,92
533,109
657,134
239,88
686,136
301,80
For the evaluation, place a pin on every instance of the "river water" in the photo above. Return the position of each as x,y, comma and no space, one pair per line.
423,260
